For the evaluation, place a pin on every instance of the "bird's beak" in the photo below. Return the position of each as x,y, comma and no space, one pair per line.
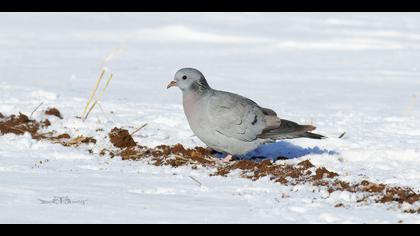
171,84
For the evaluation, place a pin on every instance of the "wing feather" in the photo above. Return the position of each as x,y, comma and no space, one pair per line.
235,116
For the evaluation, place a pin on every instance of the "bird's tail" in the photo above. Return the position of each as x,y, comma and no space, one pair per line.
312,135
288,130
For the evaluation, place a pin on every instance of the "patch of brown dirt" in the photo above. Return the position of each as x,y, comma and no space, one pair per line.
53,112
88,140
174,156
121,138
400,195
46,123
382,193
22,124
372,187
281,173
322,173
19,125
306,164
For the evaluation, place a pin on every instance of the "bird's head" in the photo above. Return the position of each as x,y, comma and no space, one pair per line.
189,79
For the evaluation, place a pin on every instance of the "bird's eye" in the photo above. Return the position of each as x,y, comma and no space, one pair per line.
184,77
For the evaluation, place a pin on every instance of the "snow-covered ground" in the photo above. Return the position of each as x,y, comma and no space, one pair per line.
354,73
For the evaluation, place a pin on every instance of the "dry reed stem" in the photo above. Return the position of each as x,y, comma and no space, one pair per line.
137,130
99,97
94,91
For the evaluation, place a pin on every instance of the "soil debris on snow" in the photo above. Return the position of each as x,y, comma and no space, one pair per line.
174,156
380,193
79,140
413,211
19,125
177,155
121,138
400,195
63,136
46,123
279,173
53,112
322,173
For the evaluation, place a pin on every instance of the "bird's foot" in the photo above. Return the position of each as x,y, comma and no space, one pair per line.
211,150
228,158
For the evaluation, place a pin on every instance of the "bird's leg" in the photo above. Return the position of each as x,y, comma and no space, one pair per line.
228,158
211,150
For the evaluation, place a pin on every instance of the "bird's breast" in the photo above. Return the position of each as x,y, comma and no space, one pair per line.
193,110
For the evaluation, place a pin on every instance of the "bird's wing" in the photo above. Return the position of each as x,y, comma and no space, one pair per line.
268,112
235,116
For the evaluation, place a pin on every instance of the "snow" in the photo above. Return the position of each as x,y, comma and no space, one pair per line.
344,72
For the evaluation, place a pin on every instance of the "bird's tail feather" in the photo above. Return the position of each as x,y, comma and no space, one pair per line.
312,135
288,130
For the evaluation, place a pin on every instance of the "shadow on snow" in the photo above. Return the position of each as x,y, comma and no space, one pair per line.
281,150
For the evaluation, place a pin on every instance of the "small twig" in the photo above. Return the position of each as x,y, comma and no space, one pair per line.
36,109
195,180
137,130
342,135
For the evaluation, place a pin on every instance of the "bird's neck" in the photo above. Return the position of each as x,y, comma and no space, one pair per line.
191,97
200,87
196,90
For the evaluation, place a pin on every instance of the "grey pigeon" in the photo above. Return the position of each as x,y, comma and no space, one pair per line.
230,123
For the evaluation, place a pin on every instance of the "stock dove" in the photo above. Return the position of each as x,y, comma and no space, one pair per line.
230,123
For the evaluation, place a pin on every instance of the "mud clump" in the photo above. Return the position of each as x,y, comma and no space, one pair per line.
306,164
53,112
322,173
19,125
88,140
46,123
372,187
121,138
400,195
